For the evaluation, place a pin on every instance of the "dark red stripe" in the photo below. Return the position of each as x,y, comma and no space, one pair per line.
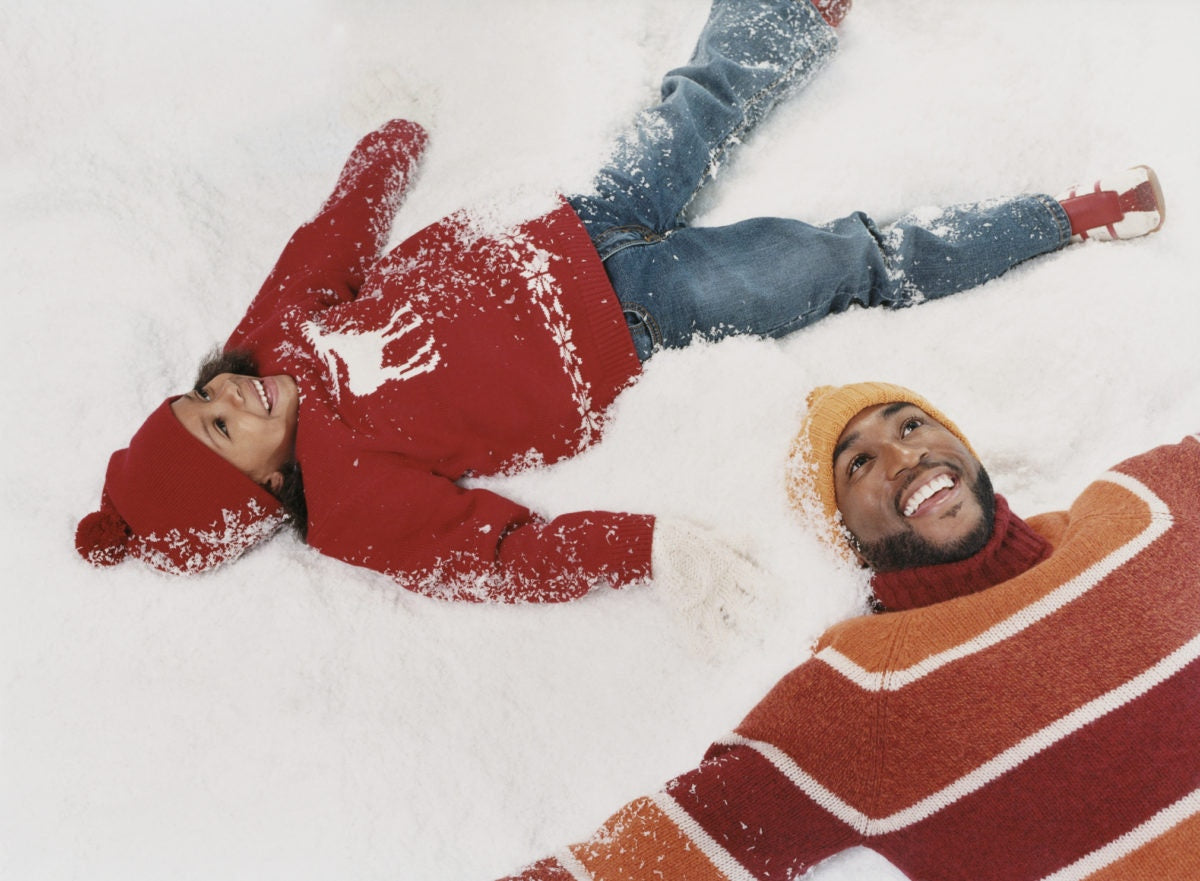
1005,693
1073,798
1173,473
752,810
815,715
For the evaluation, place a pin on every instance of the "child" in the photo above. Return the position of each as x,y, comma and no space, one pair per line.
383,380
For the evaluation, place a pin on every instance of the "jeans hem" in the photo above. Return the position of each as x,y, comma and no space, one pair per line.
1059,215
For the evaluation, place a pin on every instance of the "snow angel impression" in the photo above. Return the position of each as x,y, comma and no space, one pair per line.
361,387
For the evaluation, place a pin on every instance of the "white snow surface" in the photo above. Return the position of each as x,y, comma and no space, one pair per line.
293,717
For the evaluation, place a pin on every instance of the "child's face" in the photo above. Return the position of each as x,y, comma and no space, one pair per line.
248,421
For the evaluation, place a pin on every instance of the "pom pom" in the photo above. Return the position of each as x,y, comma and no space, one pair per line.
101,538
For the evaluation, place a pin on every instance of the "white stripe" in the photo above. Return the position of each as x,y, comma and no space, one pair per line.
574,868
893,680
1047,737
725,862
800,778
1136,838
997,766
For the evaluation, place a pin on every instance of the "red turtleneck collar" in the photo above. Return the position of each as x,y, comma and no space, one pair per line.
1013,548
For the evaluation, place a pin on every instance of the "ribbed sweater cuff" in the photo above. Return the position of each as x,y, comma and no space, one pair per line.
610,362
634,535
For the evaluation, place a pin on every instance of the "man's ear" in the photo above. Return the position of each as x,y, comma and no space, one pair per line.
273,482
855,548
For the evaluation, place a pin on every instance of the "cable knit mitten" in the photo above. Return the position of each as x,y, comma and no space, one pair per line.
711,582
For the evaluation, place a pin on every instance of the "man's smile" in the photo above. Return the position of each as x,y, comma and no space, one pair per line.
914,497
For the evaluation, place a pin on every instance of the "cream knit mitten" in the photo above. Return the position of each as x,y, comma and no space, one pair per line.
712,583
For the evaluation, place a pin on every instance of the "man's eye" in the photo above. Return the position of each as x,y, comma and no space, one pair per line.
856,463
910,425
220,424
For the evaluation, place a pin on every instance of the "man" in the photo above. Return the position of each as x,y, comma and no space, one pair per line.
1024,707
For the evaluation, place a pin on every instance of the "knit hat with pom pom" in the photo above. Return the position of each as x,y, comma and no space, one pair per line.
175,504
810,463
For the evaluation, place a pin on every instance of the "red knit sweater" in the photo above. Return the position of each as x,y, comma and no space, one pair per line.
1045,727
456,354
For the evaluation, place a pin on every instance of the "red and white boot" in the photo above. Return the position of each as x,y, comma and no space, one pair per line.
1124,205
833,11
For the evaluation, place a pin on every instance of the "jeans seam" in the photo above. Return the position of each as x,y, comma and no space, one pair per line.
797,322
1059,215
643,314
646,236
743,126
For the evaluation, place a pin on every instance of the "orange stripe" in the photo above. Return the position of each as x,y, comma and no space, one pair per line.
985,704
636,840
954,627
1023,685
1001,694
1173,856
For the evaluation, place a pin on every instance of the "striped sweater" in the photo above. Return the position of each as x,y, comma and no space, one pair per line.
1046,727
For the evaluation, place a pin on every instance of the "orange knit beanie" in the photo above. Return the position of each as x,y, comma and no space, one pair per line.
810,462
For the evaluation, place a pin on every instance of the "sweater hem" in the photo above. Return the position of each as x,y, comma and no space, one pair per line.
608,359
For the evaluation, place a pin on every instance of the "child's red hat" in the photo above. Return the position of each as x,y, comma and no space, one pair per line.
175,504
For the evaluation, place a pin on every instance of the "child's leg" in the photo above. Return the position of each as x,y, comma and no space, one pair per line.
770,276
748,55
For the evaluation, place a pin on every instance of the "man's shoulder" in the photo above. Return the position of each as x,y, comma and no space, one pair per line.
1163,481
1177,463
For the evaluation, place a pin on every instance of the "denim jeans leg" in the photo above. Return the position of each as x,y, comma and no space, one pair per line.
771,276
749,54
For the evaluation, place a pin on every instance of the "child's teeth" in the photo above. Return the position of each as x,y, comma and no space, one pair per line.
262,395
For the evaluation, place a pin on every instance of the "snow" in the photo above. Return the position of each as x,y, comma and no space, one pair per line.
290,716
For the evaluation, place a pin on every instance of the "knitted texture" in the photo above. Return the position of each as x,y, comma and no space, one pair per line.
171,502
462,352
810,462
1042,728
1013,548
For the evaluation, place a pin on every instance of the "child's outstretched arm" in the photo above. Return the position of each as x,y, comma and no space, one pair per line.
440,539
326,258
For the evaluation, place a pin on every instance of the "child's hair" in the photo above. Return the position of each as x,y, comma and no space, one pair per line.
291,491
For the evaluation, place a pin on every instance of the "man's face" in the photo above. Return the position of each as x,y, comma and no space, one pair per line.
909,491
248,421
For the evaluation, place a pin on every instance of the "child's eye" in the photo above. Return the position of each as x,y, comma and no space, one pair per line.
220,424
201,393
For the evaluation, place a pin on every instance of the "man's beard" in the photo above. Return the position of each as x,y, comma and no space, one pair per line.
908,550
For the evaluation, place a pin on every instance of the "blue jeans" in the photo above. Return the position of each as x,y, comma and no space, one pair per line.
770,276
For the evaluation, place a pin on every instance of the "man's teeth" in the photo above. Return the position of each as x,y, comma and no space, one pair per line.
942,481
262,394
